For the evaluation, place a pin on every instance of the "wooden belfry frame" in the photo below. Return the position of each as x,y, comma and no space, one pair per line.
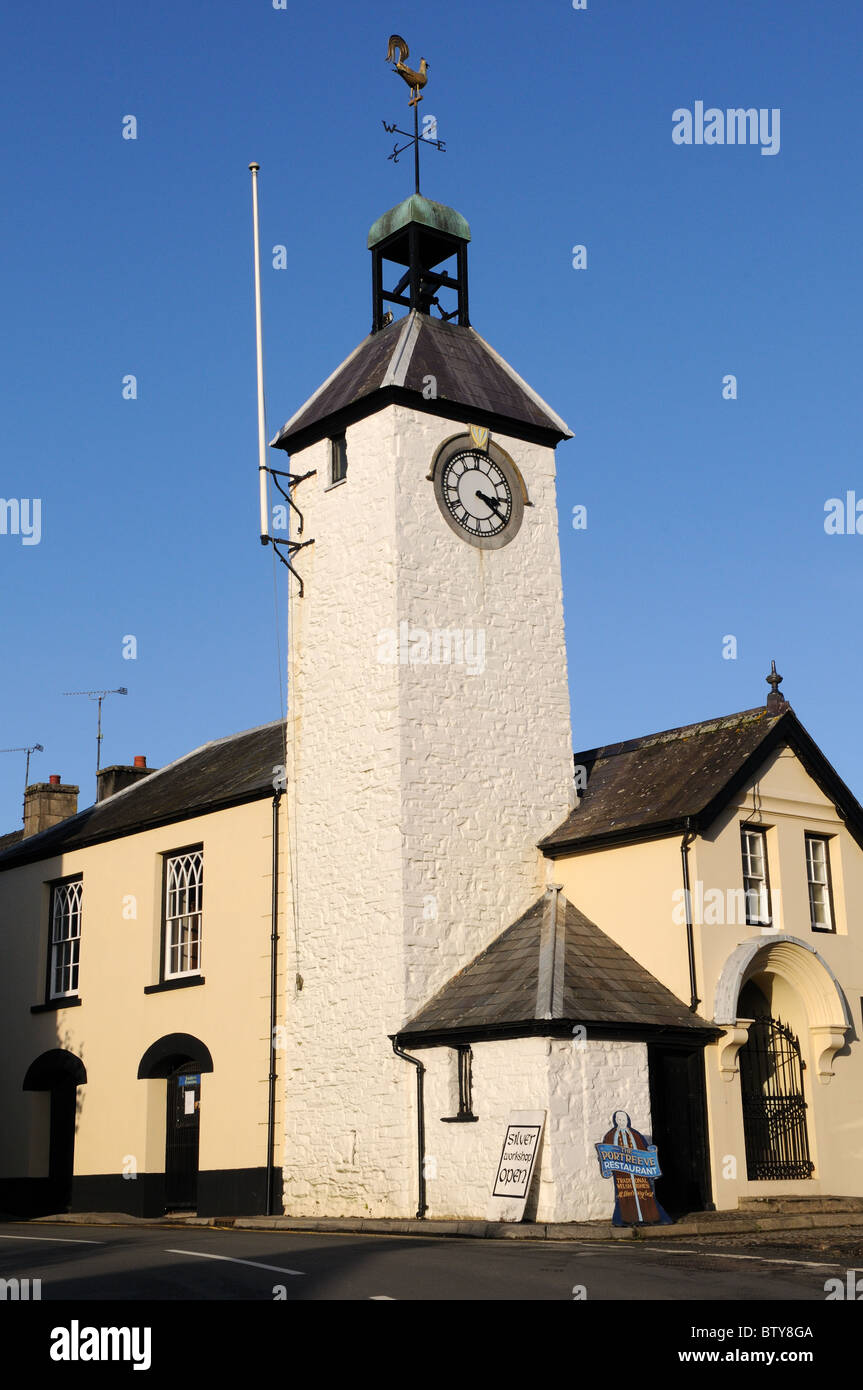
420,249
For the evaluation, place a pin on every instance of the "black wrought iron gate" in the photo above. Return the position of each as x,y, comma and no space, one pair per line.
182,1126
774,1109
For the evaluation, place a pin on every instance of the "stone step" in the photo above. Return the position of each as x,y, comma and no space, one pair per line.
799,1205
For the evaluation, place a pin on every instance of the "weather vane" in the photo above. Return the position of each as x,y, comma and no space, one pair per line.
416,80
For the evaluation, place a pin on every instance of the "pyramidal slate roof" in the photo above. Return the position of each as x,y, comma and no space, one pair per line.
473,383
532,978
222,773
662,784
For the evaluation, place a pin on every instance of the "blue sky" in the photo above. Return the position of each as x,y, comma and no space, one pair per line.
705,516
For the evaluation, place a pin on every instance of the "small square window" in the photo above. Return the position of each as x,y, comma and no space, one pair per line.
338,459
820,887
756,884
465,1086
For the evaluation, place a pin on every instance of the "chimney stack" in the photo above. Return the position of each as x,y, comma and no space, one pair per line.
47,803
117,778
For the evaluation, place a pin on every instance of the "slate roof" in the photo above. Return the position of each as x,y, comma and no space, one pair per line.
602,985
649,787
6,841
473,383
222,773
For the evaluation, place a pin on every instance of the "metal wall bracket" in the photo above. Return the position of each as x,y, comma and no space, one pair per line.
291,547
293,480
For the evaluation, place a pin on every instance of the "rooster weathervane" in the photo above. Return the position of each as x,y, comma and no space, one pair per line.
416,80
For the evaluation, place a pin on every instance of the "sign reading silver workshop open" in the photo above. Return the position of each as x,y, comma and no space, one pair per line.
516,1164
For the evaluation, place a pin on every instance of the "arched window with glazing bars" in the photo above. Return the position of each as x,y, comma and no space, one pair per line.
184,891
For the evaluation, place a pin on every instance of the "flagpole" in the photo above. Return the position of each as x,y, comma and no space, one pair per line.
262,434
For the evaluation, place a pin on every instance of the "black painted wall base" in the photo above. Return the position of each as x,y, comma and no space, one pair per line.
237,1192
221,1192
29,1197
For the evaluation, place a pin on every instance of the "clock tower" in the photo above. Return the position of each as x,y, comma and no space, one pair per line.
428,743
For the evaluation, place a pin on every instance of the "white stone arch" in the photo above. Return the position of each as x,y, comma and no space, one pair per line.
808,973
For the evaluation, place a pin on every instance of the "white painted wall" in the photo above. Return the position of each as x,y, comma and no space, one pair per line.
418,792
579,1086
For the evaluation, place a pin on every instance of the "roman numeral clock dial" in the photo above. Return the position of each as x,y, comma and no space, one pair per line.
479,492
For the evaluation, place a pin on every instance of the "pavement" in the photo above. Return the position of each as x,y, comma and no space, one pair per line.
764,1217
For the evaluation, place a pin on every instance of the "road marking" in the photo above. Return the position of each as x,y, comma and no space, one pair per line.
623,1247
380,1298
60,1240
764,1259
255,1264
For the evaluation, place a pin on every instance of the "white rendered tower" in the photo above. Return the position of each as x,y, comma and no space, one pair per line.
429,732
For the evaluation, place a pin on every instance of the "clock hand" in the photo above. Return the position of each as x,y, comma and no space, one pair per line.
491,502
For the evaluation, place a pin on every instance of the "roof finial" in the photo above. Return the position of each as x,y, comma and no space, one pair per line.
776,701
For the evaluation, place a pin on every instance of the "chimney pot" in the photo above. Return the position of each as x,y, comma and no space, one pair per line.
140,760
54,779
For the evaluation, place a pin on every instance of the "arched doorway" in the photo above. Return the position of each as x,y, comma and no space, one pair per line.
812,994
181,1059
60,1073
772,1094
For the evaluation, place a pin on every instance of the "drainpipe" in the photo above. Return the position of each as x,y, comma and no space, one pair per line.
688,837
274,962
421,1136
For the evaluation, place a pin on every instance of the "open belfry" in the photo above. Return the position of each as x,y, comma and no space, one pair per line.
407,953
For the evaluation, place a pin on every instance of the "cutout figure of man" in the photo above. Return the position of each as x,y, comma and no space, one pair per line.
635,1202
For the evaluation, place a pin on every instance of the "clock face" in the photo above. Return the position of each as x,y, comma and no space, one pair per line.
479,492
